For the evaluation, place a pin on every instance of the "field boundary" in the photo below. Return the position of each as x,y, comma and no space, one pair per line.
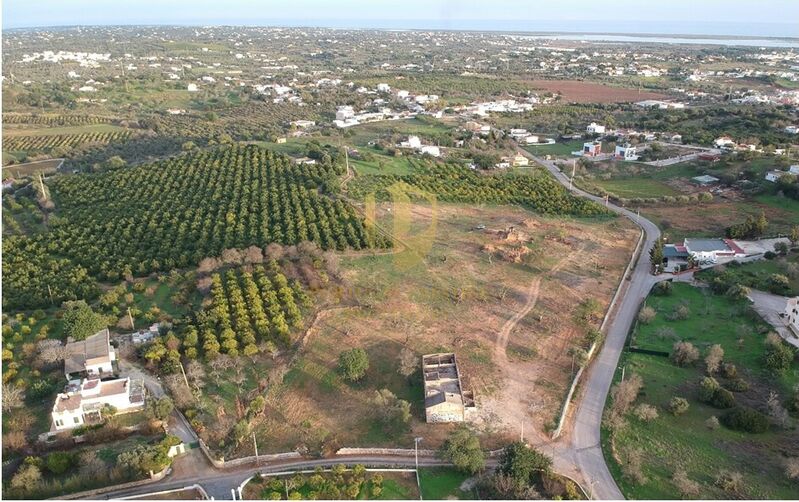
611,307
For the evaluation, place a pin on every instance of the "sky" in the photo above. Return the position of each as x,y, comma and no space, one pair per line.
778,18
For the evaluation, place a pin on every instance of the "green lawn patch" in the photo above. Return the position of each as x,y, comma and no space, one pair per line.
439,483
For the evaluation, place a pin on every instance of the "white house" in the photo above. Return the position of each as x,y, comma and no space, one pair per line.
792,314
83,400
383,88
626,152
530,139
594,128
430,150
93,356
412,142
303,124
792,129
344,112
774,176
518,134
710,250
724,142
191,87
794,169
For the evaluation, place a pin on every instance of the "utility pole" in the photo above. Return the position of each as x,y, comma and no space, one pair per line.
41,185
185,380
574,169
50,292
130,318
255,444
286,486
622,372
521,437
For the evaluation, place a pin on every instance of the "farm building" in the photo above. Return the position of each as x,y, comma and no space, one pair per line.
92,356
444,397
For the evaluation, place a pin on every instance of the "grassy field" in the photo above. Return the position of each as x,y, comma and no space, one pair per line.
670,441
756,274
557,149
443,483
628,188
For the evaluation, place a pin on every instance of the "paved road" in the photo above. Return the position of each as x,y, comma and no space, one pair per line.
218,483
586,450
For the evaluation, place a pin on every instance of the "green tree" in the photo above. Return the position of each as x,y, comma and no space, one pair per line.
58,462
80,320
521,462
353,364
656,255
161,408
462,448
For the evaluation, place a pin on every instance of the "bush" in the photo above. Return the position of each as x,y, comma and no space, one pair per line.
723,399
729,370
645,412
462,448
778,355
745,419
738,385
678,405
59,462
646,315
712,423
730,481
663,288
707,389
353,364
684,353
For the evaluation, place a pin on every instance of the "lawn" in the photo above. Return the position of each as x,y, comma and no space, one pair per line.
557,149
686,441
442,483
628,188
756,274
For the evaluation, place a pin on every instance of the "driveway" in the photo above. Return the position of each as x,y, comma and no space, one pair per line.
770,306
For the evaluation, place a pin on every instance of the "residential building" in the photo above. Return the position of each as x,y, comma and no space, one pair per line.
626,152
520,161
710,250
82,401
792,314
411,142
430,150
93,356
518,133
592,149
792,129
303,124
383,88
774,176
724,142
594,128
344,113
280,140
444,397
191,87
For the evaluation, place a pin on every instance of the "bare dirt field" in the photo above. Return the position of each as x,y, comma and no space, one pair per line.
507,303
590,92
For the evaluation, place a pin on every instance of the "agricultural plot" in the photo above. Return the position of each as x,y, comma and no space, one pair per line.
53,120
591,92
176,212
556,149
45,142
461,294
688,454
453,183
337,483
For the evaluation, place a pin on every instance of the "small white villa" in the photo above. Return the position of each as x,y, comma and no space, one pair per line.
82,401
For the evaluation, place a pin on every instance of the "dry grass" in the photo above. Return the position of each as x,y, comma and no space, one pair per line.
590,92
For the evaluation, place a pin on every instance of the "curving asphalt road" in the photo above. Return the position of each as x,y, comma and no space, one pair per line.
586,450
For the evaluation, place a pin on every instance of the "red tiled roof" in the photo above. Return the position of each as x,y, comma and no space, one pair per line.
734,246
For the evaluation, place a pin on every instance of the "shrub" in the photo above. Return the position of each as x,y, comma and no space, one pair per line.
462,448
684,353
663,288
685,485
707,388
678,405
713,359
645,412
712,423
730,481
680,313
738,385
778,355
745,419
729,370
353,364
646,315
722,399
59,462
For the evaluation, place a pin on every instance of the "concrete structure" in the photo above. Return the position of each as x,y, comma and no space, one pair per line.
82,401
705,180
412,142
520,161
93,356
430,150
775,176
594,128
792,314
144,336
444,398
626,152
191,87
